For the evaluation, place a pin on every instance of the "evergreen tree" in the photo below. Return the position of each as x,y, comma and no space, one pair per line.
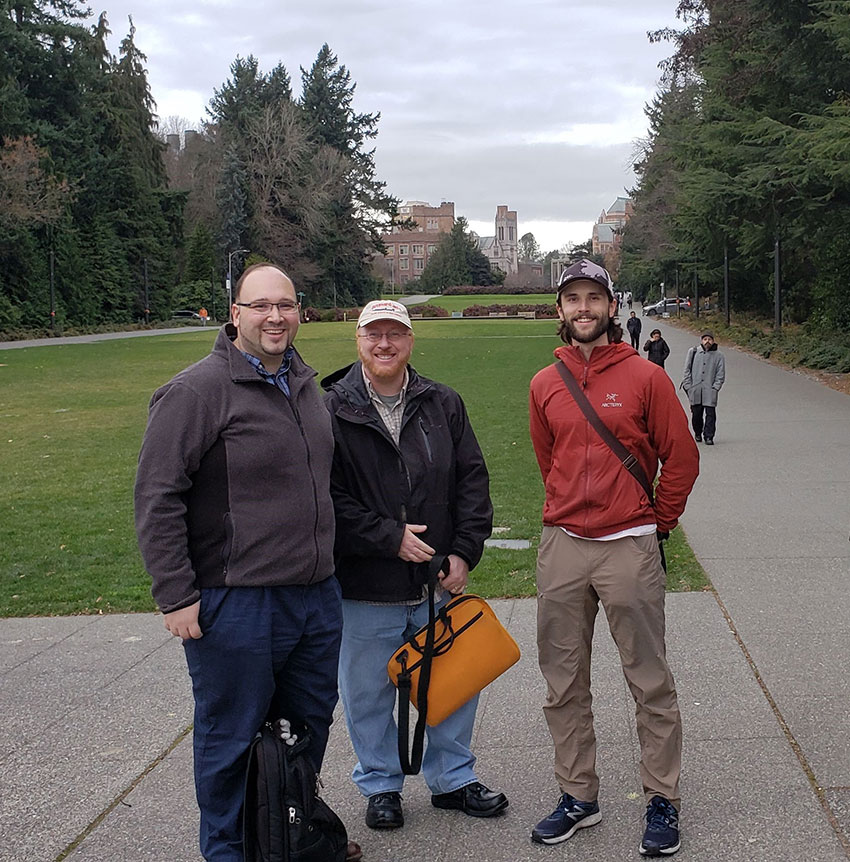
457,260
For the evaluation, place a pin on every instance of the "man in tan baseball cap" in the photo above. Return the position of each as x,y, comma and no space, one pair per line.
409,483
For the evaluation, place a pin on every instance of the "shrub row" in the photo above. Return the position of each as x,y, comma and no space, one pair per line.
477,290
541,311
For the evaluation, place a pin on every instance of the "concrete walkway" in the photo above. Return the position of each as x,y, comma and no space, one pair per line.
95,760
102,336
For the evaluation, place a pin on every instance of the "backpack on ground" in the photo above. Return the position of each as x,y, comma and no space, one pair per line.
283,817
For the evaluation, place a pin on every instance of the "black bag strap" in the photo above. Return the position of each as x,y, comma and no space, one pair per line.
626,458
412,763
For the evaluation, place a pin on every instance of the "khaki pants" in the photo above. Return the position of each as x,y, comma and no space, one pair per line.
573,576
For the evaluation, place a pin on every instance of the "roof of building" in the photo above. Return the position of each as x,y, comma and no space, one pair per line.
619,205
604,232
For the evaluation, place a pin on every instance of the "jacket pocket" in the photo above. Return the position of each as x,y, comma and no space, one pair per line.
425,438
227,547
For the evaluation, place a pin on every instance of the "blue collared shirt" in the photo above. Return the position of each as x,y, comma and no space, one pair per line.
279,379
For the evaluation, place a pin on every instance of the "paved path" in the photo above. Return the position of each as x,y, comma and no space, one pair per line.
100,336
95,761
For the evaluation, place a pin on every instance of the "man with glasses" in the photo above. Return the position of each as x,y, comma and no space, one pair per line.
236,526
408,482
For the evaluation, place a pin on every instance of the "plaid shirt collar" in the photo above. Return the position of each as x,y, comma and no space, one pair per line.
281,377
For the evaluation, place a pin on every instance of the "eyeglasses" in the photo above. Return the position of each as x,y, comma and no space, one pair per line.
376,337
285,307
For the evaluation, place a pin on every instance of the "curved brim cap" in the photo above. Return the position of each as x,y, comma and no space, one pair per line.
384,309
586,269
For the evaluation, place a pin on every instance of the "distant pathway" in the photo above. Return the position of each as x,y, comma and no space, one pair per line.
415,300
101,336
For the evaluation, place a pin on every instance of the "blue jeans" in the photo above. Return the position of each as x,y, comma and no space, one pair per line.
371,634
266,653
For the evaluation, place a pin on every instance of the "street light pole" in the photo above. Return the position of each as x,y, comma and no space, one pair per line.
230,277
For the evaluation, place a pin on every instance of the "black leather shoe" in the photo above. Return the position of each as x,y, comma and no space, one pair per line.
474,799
383,811
709,441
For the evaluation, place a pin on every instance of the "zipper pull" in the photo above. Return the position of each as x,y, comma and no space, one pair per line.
291,815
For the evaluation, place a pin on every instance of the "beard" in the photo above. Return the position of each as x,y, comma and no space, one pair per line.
586,336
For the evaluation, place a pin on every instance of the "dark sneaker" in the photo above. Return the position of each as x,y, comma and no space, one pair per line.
698,438
709,441
570,815
661,837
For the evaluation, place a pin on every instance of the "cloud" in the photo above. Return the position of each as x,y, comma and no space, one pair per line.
533,105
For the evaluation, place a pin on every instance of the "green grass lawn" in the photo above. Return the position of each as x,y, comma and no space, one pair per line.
72,419
458,303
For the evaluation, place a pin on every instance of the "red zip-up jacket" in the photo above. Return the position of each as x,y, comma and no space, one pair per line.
588,490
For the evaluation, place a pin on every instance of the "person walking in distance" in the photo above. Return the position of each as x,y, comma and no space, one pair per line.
236,528
702,379
408,482
600,543
634,326
656,348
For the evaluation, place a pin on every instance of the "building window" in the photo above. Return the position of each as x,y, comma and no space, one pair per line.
502,234
418,264
432,249
390,249
432,224
403,250
510,234
418,249
404,209
404,263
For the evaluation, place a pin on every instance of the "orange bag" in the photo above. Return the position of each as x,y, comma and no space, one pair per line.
471,649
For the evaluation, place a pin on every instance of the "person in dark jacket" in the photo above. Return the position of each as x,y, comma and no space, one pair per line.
408,482
656,348
236,527
634,326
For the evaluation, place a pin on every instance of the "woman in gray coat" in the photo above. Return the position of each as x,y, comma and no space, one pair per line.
705,371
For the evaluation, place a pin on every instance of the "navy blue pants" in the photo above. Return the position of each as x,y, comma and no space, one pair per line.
707,429
266,653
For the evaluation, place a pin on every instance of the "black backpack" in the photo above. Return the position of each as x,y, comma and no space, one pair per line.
283,817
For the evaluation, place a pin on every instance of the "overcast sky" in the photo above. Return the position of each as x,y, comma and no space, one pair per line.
535,104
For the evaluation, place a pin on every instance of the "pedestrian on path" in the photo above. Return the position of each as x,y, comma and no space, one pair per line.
600,542
656,348
634,326
702,379
236,527
409,481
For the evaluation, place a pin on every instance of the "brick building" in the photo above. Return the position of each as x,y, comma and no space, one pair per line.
408,251
608,232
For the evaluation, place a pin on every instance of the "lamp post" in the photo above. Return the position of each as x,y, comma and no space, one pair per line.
230,277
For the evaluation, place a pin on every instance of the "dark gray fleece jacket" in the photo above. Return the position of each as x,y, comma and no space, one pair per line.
233,485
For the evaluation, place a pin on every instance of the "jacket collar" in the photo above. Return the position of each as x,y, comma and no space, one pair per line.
241,371
349,385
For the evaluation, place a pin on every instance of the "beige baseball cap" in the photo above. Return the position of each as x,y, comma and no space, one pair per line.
384,309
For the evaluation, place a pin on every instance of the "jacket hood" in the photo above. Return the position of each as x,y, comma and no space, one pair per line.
602,357
335,376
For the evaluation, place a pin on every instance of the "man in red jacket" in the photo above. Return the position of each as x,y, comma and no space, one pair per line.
600,542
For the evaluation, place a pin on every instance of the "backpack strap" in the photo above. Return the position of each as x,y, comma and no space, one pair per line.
626,458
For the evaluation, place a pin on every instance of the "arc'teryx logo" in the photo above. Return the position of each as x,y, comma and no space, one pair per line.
611,400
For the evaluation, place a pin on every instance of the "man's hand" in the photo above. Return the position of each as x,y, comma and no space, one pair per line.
184,623
455,580
412,548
